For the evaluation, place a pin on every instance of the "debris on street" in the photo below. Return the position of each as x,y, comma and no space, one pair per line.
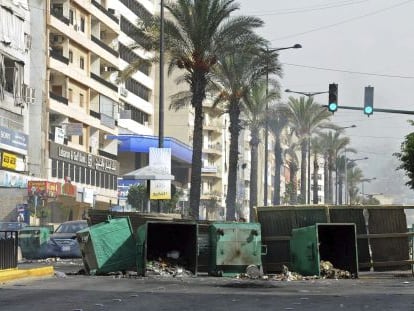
328,271
166,267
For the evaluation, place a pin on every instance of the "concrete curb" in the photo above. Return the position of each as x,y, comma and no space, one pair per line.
15,274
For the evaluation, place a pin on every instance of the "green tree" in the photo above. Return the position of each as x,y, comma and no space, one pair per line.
305,116
290,154
197,32
234,77
255,105
277,122
355,176
138,197
316,151
406,157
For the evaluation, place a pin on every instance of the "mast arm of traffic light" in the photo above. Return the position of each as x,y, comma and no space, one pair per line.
376,109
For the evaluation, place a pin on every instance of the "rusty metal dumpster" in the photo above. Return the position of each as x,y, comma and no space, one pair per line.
234,247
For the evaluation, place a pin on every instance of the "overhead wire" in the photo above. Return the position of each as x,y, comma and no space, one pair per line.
344,21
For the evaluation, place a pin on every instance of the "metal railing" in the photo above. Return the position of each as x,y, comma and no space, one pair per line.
8,249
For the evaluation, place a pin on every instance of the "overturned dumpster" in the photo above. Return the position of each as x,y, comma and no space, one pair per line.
384,230
234,247
168,244
334,243
108,246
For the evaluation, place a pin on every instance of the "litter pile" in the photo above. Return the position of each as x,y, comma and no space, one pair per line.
171,265
327,271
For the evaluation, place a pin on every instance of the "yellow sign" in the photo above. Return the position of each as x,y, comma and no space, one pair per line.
8,161
160,190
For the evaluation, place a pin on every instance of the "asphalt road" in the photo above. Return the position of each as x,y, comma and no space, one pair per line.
68,291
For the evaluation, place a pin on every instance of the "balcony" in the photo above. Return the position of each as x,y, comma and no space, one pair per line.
58,56
59,98
95,114
105,11
59,15
104,46
104,82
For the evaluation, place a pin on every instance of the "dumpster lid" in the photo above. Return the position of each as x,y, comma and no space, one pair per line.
149,173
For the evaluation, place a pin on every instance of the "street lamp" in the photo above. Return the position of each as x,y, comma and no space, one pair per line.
266,138
308,94
366,180
347,162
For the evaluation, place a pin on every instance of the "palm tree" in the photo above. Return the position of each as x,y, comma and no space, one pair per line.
333,144
290,154
316,151
196,34
355,176
305,116
254,112
277,122
233,79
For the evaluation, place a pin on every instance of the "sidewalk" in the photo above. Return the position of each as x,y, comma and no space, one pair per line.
15,274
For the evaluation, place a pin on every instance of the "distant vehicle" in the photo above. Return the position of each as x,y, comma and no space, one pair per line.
63,243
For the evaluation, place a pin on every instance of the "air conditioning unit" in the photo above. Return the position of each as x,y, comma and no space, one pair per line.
58,38
108,68
123,91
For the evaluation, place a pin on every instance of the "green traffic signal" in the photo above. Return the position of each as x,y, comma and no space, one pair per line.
333,97
369,101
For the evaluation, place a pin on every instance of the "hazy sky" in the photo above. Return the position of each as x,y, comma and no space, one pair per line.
375,37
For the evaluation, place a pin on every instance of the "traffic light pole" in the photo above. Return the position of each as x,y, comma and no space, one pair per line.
376,109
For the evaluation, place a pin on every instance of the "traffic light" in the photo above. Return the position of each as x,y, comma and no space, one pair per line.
369,100
333,97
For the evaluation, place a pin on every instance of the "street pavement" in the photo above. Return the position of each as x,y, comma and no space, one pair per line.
69,290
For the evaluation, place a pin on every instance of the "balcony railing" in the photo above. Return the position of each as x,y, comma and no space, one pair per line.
104,46
105,11
59,15
107,154
59,98
58,56
95,114
104,82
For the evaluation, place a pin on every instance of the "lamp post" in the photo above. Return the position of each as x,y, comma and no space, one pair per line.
308,94
365,180
347,162
266,138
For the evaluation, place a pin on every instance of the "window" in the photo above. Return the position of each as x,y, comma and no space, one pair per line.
81,99
82,24
70,56
70,95
71,17
81,140
82,63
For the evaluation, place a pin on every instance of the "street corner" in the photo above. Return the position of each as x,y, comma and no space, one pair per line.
15,274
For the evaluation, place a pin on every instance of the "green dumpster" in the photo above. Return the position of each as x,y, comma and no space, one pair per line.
108,246
234,248
33,240
156,240
335,243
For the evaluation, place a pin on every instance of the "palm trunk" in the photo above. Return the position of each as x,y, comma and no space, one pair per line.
278,164
325,179
315,180
254,143
340,185
293,169
234,113
198,90
330,179
303,164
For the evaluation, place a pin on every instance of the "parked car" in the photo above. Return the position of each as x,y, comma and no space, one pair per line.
63,243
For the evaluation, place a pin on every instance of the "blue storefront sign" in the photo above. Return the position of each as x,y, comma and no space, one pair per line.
13,140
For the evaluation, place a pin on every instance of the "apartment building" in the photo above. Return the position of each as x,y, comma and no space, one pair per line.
16,99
